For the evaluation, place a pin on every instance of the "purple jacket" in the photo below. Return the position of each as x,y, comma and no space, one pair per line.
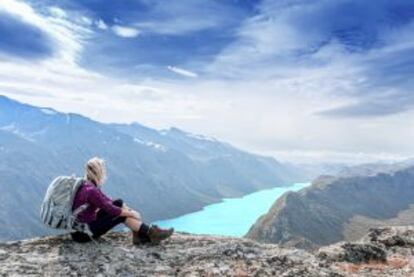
96,199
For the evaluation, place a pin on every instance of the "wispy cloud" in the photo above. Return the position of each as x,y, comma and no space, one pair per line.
320,78
65,36
124,31
57,12
179,18
40,43
362,54
182,72
193,30
101,24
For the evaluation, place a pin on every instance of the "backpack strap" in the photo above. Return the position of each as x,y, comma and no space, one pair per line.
82,227
80,209
79,226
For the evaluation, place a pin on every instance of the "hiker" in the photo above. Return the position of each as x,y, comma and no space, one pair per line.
102,213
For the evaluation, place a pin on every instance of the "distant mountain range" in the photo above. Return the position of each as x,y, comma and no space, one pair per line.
162,173
341,207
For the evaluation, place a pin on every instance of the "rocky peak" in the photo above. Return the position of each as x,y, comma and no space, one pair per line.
382,252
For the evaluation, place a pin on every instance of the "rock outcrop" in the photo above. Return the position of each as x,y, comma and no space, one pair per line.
334,209
383,252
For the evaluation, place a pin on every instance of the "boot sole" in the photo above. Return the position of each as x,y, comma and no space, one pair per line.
157,240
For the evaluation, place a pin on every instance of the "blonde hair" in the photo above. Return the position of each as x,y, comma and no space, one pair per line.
95,171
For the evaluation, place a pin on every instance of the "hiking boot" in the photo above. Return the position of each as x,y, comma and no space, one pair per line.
157,234
136,239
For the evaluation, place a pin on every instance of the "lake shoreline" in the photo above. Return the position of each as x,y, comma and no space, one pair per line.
223,218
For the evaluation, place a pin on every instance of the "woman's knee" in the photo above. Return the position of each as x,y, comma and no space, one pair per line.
133,221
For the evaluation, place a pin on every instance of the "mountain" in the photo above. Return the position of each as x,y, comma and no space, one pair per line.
163,174
382,252
372,169
339,208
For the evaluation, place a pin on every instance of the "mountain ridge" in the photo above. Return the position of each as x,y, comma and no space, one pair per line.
332,208
163,175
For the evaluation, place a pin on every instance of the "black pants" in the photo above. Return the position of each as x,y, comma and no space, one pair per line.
102,224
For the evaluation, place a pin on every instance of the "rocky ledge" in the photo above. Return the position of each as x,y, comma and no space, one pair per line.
382,252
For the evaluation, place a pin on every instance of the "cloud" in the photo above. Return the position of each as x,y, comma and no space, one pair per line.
194,30
19,39
57,12
175,26
86,20
125,32
308,157
373,108
101,24
186,17
321,80
161,17
284,31
358,52
182,72
383,80
65,35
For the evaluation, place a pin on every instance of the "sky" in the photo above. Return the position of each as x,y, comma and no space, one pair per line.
300,80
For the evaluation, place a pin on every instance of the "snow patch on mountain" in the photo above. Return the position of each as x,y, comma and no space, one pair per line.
48,111
151,144
175,131
201,137
11,128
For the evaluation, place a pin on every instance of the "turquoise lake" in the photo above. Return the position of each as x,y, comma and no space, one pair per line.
232,216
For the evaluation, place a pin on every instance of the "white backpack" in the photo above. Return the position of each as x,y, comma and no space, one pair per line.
56,209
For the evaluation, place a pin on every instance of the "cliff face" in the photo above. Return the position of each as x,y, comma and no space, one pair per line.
383,252
338,208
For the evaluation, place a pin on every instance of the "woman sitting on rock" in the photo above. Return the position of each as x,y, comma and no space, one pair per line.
102,214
